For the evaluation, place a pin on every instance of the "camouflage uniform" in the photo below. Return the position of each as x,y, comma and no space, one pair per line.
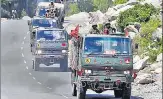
94,30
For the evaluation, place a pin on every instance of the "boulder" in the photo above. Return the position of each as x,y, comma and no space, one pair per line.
132,2
158,33
136,59
146,81
141,63
26,18
156,65
158,70
159,58
144,78
156,3
80,16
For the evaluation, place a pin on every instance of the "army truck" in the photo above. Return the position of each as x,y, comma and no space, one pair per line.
100,63
37,22
44,6
50,47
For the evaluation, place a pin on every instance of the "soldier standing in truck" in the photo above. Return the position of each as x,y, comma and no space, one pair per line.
94,29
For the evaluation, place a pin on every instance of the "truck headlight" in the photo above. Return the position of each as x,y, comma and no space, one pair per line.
39,52
88,71
64,51
126,72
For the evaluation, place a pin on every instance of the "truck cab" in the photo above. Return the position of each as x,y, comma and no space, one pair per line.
44,6
50,47
105,63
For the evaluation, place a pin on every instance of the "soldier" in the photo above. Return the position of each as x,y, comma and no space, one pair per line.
107,29
47,15
94,29
51,4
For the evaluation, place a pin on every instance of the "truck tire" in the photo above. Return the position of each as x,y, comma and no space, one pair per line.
72,77
118,93
64,63
126,93
74,91
81,94
62,20
36,65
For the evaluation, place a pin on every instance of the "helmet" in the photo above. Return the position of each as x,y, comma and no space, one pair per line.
94,25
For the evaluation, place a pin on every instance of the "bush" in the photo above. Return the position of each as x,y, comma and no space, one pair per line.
73,9
102,5
116,2
139,13
85,6
23,13
145,39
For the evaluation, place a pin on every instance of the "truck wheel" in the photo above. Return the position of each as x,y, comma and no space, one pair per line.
74,91
81,94
33,63
118,93
36,65
64,63
99,91
126,93
62,20
72,77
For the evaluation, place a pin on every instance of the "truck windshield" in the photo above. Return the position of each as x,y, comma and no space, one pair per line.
55,35
107,45
42,22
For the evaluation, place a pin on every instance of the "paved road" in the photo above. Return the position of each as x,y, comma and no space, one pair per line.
19,81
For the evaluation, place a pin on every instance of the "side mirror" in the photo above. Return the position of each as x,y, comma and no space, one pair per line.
136,46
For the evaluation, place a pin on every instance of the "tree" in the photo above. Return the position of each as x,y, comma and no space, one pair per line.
102,5
73,9
85,6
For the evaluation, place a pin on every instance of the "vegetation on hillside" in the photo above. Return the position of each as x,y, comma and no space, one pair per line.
89,6
149,47
139,13
116,2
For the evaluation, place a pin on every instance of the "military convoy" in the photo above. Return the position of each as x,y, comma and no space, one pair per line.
48,39
100,63
97,62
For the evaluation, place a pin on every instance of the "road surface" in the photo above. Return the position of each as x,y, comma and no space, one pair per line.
19,81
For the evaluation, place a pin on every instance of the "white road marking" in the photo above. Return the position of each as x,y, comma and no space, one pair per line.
23,42
30,74
21,48
25,62
34,78
49,88
39,83
24,37
28,32
22,55
26,67
64,96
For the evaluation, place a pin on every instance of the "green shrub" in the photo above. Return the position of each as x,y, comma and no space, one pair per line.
145,39
139,13
73,9
23,13
120,1
102,5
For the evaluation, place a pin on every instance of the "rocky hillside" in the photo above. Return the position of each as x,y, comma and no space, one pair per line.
148,83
